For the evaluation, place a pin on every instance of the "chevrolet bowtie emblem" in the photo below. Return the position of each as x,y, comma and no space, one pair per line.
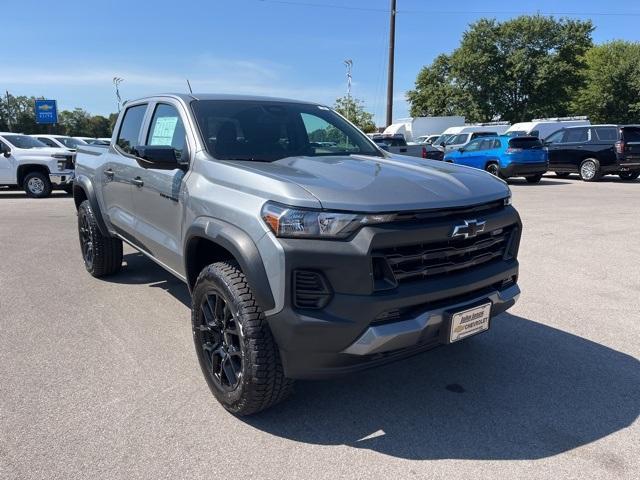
470,229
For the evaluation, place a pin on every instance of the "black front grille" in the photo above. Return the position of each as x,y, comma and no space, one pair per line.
430,260
310,290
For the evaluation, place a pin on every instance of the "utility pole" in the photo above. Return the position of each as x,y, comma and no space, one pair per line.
392,46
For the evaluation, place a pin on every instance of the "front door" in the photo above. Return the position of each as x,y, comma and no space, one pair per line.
8,165
117,173
157,195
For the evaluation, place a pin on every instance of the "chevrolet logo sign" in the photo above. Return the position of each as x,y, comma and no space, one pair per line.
44,107
470,229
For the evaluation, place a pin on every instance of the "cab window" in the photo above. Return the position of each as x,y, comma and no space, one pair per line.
167,128
575,135
130,128
48,142
555,137
472,146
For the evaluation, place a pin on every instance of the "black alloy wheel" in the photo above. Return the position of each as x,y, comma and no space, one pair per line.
220,337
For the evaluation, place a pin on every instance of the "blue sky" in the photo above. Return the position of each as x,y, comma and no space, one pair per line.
70,50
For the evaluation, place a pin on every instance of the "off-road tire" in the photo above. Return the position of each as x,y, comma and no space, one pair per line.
597,174
106,256
261,382
37,185
534,178
629,176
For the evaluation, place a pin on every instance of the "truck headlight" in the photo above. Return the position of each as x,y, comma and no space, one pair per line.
507,200
293,222
61,164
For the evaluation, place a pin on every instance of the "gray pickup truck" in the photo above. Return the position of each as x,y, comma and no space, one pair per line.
308,250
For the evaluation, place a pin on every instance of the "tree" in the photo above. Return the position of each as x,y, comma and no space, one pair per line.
353,110
526,67
17,113
612,90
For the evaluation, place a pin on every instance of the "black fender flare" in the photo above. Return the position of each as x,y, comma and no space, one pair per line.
81,182
241,246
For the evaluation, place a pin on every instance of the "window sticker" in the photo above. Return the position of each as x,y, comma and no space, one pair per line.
163,130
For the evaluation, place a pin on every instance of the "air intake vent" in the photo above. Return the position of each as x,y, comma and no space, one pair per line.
310,290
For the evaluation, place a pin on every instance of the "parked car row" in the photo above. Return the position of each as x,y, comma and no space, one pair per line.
590,151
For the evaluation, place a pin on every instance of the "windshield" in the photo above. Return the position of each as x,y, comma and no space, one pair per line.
271,130
442,139
23,141
70,142
516,133
457,139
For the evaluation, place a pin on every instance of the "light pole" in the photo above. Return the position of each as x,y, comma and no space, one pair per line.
392,44
116,83
349,64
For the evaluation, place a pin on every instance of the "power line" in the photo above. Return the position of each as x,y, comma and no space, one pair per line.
455,12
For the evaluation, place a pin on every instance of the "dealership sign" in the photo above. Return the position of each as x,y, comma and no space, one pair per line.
46,111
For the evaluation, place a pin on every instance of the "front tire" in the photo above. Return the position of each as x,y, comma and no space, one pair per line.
629,176
37,185
102,255
236,350
590,170
534,178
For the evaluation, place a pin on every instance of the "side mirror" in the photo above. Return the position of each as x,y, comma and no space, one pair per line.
161,157
6,151
461,149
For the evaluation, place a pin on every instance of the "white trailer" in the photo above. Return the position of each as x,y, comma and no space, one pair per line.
412,128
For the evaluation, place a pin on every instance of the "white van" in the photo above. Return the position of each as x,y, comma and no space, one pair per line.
543,127
457,137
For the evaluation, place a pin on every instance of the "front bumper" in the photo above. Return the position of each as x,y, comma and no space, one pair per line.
353,331
62,178
524,169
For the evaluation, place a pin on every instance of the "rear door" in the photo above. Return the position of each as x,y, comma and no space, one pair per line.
603,142
119,170
575,147
157,195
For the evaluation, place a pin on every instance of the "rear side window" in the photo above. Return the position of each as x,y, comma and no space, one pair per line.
631,134
130,128
525,143
575,135
606,133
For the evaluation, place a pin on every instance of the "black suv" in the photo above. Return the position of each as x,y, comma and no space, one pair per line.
595,150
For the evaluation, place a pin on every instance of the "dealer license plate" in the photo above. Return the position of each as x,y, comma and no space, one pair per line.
469,322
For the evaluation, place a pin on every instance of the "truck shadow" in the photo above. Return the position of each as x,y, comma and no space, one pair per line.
140,270
521,391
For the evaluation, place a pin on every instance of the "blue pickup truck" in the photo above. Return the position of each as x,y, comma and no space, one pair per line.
504,157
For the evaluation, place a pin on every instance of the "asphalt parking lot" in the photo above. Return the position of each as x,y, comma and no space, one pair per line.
100,378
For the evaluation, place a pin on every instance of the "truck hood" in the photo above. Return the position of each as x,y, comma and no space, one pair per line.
394,183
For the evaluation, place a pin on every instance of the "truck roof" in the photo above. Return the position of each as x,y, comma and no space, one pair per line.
187,97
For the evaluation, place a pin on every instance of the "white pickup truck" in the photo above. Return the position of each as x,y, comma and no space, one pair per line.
28,163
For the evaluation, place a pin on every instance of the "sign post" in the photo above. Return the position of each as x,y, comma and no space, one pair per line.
46,111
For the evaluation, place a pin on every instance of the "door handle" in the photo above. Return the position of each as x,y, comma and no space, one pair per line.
109,173
137,182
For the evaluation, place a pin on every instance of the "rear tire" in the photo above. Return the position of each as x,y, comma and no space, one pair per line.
629,176
37,185
534,178
236,350
562,174
102,255
493,168
590,170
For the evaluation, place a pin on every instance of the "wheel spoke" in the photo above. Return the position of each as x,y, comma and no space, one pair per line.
229,371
